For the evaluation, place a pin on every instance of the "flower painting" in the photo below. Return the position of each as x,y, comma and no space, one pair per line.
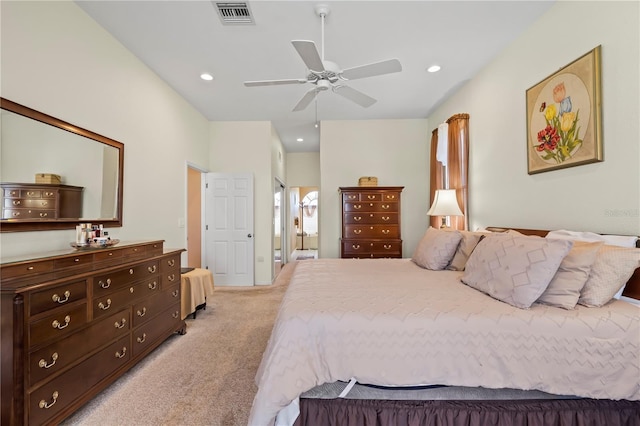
563,117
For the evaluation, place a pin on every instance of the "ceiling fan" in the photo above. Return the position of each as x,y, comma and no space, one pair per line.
325,75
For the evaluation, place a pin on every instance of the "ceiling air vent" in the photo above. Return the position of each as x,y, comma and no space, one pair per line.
234,12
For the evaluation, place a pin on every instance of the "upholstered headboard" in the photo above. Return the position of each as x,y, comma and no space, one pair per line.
632,288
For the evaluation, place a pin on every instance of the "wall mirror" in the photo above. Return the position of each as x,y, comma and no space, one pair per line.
90,164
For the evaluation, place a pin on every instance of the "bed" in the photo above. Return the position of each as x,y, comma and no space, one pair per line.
427,348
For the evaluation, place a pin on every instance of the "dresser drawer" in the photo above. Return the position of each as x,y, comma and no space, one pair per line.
148,308
57,325
359,207
28,213
105,284
118,299
44,300
55,357
145,335
30,203
371,248
371,218
371,231
47,401
70,262
26,269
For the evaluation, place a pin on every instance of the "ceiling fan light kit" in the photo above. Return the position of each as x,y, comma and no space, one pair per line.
325,75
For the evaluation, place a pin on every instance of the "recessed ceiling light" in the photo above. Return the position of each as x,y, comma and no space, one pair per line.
433,68
206,76
300,140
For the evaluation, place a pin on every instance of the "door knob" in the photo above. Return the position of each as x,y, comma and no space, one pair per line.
249,235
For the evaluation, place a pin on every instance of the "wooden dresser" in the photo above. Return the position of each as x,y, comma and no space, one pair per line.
75,321
41,201
371,222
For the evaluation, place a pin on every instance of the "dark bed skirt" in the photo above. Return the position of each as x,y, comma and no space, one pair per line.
565,412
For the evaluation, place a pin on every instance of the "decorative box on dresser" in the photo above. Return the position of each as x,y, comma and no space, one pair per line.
75,321
371,222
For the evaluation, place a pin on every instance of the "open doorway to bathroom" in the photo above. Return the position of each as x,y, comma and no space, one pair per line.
305,222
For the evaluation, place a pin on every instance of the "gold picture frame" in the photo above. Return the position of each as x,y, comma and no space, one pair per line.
564,117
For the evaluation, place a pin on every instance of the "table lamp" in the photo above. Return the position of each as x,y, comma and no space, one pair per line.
445,204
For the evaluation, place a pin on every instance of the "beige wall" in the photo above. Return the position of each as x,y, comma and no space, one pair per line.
601,197
393,150
56,59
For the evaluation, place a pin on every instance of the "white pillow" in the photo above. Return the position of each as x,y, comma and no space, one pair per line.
436,249
611,240
609,273
514,269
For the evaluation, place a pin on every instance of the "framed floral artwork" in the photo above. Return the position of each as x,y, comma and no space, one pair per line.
564,117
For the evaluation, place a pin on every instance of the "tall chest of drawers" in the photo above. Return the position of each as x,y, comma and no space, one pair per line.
371,222
73,322
41,201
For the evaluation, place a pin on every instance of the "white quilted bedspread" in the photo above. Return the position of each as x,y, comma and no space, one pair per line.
390,322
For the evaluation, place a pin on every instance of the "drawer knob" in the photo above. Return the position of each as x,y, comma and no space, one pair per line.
121,354
43,364
15,214
44,203
385,231
131,271
103,306
58,299
371,197
105,284
142,339
59,326
143,312
171,277
153,285
355,246
391,197
120,324
357,231
172,262
386,206
357,206
387,246
45,404
44,214
175,293
357,218
176,314
17,202
385,218
152,269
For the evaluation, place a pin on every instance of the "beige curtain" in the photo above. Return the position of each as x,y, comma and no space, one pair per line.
436,178
458,168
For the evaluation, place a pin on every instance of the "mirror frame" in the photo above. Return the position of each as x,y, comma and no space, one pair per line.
55,224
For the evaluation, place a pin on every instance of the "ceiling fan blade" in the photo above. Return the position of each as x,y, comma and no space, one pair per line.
306,100
275,82
371,70
354,95
309,54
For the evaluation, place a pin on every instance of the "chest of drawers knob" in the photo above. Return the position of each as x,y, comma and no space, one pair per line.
57,324
122,353
172,262
105,284
120,324
43,364
60,300
172,277
103,306
142,338
46,405
152,269
142,313
153,285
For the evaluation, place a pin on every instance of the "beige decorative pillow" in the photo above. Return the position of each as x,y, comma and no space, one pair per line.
609,273
514,269
436,248
564,289
469,242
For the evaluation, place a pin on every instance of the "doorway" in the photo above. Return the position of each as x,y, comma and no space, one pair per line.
279,240
195,214
305,221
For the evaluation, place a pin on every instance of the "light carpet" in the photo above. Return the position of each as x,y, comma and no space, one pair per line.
206,377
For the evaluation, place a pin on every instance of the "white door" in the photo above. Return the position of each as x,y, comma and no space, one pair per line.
229,228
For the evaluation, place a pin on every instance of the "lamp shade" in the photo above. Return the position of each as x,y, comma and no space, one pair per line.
445,203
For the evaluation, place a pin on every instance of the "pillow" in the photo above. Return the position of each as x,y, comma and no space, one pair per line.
468,242
564,289
609,273
514,269
436,248
612,240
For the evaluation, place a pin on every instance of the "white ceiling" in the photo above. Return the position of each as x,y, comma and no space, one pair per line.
180,40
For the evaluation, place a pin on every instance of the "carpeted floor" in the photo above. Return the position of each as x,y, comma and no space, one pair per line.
205,377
